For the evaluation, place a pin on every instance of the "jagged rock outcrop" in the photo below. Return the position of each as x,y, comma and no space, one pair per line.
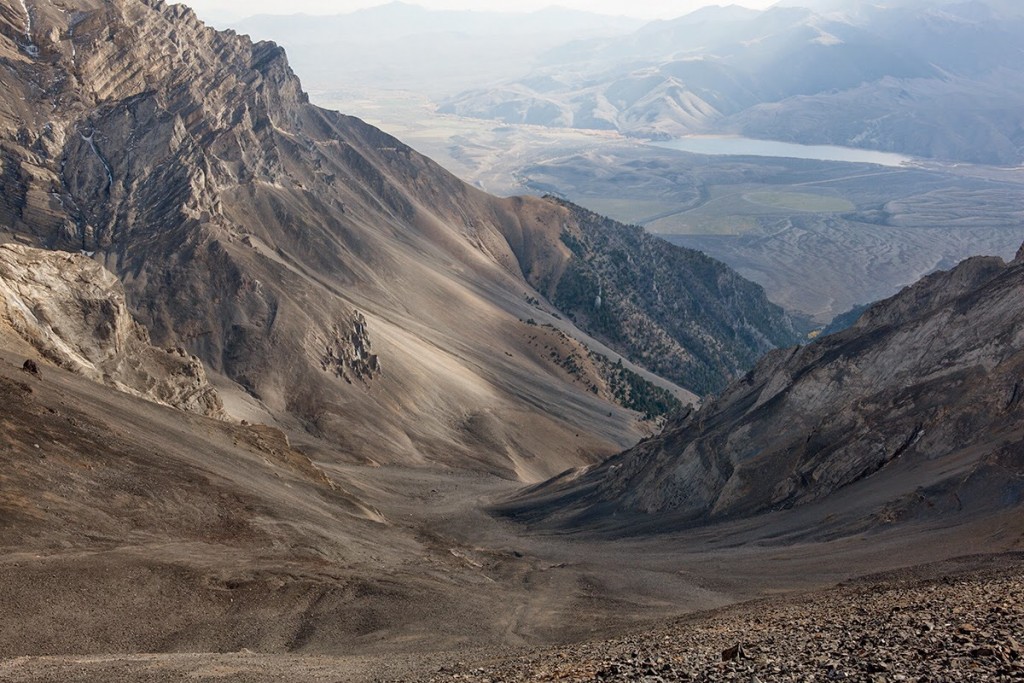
923,395
72,311
347,354
249,227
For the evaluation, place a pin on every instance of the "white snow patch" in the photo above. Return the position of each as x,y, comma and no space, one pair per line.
29,47
106,166
825,38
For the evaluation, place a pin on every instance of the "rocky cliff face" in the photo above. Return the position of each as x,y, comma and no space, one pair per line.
73,313
281,243
923,396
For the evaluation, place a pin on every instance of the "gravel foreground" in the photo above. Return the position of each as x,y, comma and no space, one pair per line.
958,628
958,621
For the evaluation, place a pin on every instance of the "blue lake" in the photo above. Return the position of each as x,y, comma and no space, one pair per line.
729,145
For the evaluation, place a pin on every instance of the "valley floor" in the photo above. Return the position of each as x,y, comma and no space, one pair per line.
215,542
962,626
960,620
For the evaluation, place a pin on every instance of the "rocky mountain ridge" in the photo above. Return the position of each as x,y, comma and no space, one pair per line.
383,315
920,400
681,312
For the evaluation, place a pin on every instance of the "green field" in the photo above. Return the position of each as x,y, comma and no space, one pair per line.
728,210
691,224
629,210
800,201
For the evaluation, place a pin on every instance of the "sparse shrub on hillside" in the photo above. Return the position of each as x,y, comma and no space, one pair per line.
675,311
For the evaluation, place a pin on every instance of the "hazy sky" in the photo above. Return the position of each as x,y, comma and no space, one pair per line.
646,9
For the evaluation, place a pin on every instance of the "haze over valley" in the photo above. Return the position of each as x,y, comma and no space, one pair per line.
511,387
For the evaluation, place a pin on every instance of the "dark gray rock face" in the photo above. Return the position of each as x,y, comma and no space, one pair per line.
931,378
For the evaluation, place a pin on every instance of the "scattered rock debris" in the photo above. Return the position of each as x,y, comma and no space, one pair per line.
965,628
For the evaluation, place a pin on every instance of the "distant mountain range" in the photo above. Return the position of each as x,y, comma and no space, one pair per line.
934,80
405,46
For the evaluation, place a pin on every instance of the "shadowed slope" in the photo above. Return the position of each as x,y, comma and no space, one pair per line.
920,400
